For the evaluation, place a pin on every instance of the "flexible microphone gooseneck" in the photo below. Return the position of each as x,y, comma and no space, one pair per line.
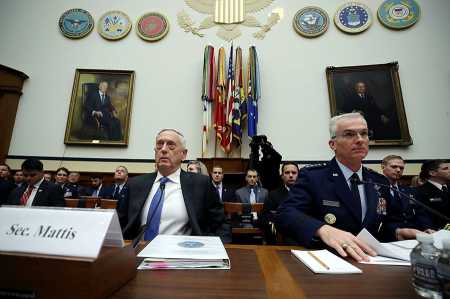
136,240
404,195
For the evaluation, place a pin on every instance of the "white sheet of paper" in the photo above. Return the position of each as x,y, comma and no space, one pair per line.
336,264
381,260
386,249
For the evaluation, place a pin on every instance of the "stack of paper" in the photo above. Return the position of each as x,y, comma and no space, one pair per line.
324,262
184,252
396,253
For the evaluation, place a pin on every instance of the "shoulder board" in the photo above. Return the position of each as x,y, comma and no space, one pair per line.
315,166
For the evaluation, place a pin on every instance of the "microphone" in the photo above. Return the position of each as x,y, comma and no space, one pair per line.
404,195
136,240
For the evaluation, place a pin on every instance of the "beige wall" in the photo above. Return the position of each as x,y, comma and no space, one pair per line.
294,109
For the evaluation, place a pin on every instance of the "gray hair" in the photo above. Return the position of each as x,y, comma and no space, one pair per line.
334,120
180,136
121,166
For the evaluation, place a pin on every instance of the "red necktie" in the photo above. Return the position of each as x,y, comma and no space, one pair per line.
26,195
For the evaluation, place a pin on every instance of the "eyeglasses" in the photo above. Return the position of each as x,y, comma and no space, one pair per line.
351,135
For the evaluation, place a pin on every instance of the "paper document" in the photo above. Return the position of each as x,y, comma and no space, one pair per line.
381,260
184,252
325,262
384,249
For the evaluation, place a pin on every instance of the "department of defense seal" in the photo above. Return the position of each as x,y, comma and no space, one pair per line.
311,21
114,25
76,23
398,14
353,17
330,218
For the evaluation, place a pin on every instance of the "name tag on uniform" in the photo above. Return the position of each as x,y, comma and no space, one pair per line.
435,199
331,203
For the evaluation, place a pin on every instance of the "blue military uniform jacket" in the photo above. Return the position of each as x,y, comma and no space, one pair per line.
321,196
403,212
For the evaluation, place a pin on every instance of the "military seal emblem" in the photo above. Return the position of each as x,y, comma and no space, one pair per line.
152,26
398,14
330,218
114,25
311,21
76,23
353,17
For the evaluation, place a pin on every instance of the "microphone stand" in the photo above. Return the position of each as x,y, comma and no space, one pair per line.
404,195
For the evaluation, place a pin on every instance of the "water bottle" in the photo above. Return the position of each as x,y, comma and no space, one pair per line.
443,268
424,259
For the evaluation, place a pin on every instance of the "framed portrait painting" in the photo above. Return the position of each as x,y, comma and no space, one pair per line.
100,107
375,92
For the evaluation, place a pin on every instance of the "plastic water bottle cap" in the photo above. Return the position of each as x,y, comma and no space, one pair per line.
425,238
446,244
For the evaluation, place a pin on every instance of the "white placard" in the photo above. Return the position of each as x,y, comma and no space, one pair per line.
58,231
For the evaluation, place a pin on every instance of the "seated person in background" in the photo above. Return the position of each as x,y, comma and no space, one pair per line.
196,167
289,174
416,181
6,184
61,176
36,191
47,176
434,192
172,201
225,194
251,193
18,178
73,188
402,211
118,190
330,203
96,186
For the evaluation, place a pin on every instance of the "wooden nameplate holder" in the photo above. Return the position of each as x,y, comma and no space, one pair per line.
33,276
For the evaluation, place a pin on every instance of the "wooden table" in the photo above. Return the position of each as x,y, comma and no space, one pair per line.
268,272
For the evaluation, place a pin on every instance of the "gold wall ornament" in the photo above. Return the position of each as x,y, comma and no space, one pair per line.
228,15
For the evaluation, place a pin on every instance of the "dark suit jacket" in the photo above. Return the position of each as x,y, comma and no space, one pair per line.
320,193
276,197
6,187
243,194
227,194
405,213
205,211
48,195
437,200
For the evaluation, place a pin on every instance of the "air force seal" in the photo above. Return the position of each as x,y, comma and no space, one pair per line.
399,14
353,17
330,218
311,21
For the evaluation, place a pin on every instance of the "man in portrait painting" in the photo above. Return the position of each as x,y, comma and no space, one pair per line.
383,124
101,115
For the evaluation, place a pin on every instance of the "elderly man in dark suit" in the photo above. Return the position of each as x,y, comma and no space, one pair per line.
101,114
332,203
172,201
36,191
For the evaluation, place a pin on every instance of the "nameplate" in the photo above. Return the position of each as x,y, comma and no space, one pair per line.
64,232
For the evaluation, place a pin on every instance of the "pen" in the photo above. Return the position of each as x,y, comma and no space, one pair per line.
318,260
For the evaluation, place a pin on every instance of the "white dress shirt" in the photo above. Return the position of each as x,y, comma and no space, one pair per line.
33,193
174,216
347,172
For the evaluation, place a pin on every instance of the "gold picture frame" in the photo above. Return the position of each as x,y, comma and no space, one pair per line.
375,91
100,108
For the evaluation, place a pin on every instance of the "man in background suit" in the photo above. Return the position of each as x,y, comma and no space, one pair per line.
251,193
402,211
434,192
289,174
36,191
101,114
18,178
119,190
330,203
172,201
225,194
6,184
